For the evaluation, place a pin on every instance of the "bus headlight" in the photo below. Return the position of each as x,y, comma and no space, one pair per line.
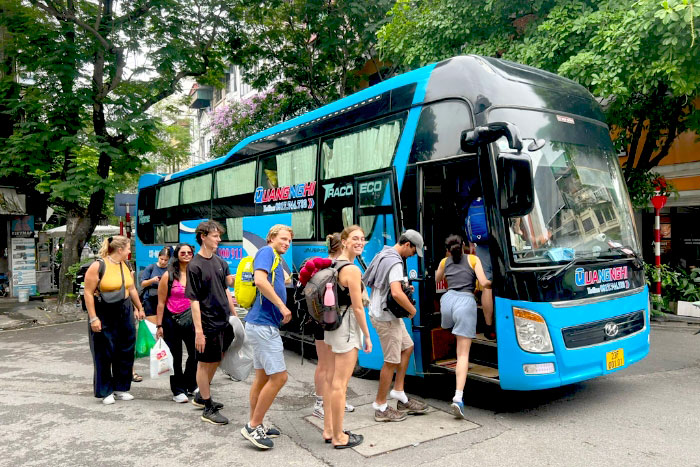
531,331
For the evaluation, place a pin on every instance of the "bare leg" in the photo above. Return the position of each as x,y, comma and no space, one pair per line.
487,305
385,377
327,384
325,362
401,370
463,346
255,388
267,396
344,366
204,370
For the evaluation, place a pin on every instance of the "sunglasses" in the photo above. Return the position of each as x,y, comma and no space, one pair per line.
185,253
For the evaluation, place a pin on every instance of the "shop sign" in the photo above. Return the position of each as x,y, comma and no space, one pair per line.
22,227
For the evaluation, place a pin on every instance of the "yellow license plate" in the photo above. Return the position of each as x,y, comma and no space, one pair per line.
615,359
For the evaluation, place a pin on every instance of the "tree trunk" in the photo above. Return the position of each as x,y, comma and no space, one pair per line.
78,230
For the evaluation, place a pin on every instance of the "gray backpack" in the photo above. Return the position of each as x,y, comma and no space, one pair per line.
330,316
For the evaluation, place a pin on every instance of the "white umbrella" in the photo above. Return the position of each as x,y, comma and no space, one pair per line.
99,230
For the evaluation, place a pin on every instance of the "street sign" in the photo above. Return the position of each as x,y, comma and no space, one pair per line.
121,200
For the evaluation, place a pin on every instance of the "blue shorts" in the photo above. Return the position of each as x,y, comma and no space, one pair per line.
268,352
458,311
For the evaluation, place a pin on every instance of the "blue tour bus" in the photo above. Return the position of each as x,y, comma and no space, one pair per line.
570,300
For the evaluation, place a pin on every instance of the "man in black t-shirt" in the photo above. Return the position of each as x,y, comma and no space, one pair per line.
212,304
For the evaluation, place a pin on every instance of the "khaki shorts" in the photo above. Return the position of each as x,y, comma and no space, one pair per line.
393,337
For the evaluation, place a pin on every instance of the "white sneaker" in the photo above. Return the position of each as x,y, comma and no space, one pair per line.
123,396
109,400
181,398
318,409
349,407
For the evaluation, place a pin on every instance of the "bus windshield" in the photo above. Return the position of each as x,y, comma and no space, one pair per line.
581,208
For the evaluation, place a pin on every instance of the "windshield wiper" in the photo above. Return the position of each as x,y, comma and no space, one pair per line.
546,278
638,261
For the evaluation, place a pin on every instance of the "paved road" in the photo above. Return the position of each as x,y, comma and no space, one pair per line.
644,415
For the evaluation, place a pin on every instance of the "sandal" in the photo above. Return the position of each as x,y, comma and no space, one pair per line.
330,440
353,440
136,378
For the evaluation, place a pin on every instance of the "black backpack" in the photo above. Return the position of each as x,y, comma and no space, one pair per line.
80,277
394,307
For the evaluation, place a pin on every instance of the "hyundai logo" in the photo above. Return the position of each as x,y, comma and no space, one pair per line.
611,329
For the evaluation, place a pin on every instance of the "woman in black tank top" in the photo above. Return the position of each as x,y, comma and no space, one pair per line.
458,307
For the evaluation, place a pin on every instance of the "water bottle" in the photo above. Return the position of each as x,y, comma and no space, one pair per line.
329,296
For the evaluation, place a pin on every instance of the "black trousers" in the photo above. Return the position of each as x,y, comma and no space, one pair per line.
174,336
113,348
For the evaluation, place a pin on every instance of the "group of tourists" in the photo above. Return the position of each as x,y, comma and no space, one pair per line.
190,302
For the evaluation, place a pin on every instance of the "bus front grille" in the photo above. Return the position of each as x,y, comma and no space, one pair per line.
594,333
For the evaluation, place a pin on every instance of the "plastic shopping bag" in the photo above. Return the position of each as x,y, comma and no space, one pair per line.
144,340
161,360
238,363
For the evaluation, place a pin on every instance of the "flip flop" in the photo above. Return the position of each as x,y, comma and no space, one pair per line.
353,440
136,378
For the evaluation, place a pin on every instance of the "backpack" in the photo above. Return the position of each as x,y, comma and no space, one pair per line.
322,306
477,228
80,277
244,286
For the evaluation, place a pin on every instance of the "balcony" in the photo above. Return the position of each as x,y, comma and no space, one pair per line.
201,96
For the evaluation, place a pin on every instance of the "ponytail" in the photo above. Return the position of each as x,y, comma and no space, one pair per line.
454,245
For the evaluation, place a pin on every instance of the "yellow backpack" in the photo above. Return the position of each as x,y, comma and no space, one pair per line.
244,286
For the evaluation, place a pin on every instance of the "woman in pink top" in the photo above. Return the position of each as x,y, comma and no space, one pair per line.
174,322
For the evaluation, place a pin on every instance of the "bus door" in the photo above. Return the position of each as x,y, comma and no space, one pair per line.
376,201
445,192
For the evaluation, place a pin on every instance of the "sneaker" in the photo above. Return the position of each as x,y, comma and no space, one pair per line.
109,400
271,431
257,436
214,417
318,409
198,401
349,407
412,407
123,396
457,409
180,398
389,415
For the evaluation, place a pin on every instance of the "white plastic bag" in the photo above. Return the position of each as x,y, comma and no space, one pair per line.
238,358
161,360
238,363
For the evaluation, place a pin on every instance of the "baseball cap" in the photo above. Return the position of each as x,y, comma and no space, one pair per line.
415,238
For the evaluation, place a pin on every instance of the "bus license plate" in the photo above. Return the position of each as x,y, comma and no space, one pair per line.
615,359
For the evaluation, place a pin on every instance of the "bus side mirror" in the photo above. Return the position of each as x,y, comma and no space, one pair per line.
516,190
470,139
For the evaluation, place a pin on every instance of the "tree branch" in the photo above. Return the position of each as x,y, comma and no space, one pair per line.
70,17
670,138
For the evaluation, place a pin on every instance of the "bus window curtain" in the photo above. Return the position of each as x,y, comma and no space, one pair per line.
168,196
303,224
296,166
234,229
346,213
196,189
363,151
236,180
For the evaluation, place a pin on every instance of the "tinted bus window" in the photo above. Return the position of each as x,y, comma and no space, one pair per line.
196,189
168,196
167,233
364,150
146,208
439,128
236,180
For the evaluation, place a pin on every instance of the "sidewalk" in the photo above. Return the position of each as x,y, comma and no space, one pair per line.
16,315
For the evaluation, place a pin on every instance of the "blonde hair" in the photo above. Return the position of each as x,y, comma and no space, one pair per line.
110,244
333,244
275,230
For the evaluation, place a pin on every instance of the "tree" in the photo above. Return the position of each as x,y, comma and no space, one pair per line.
233,122
641,57
316,45
96,67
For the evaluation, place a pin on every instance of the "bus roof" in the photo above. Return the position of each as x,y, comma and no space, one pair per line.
482,81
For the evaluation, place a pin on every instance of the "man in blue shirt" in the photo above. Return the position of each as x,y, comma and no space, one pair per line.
262,329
